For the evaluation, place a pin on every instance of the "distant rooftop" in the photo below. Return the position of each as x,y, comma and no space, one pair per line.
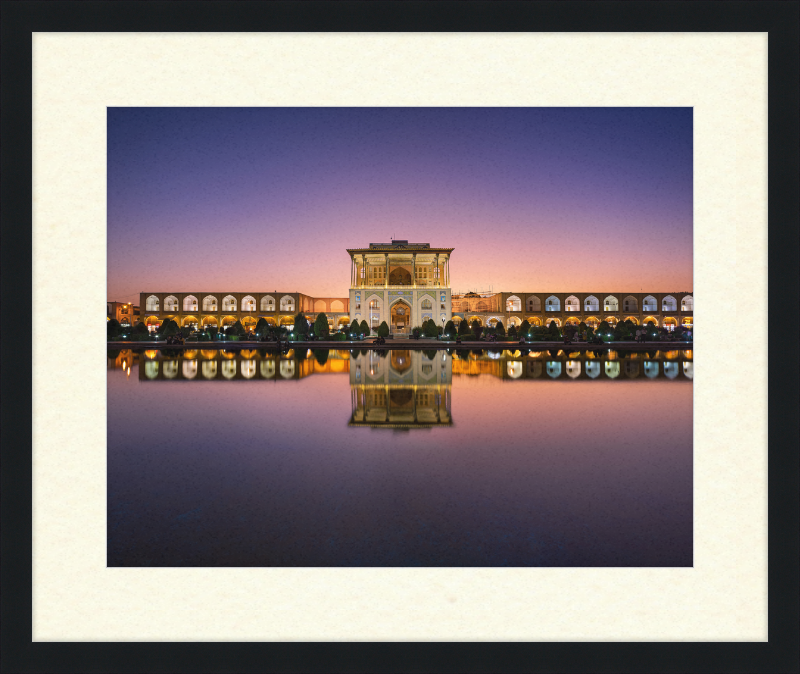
399,243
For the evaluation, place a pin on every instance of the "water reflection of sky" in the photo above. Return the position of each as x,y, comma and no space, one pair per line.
515,470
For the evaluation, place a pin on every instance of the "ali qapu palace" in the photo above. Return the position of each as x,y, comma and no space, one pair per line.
405,284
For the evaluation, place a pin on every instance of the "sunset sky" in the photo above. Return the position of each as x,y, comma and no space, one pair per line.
532,199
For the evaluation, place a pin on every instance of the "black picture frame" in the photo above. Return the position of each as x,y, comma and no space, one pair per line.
780,19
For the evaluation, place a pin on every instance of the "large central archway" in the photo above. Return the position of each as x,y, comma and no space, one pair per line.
401,317
399,277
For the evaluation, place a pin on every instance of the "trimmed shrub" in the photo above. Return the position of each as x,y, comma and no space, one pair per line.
363,328
235,330
113,329
321,329
553,330
353,330
300,325
262,327
512,331
463,327
450,328
383,330
169,328
524,328
500,329
140,329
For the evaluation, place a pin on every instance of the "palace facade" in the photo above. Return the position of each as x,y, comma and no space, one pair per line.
401,283
667,310
221,309
406,284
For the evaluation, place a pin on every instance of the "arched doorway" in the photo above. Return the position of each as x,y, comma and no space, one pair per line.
401,317
400,361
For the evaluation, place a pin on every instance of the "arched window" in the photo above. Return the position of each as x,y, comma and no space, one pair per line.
687,303
649,304
229,303
513,303
375,305
591,303
533,303
552,304
248,303
151,304
171,303
482,306
611,303
337,305
268,303
464,306
572,303
630,304
319,306
190,303
287,303
209,303
669,304
426,304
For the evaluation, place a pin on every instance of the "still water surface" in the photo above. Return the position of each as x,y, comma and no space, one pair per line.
399,458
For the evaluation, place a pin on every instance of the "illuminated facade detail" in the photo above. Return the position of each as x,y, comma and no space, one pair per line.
566,307
126,313
401,283
513,303
274,307
629,304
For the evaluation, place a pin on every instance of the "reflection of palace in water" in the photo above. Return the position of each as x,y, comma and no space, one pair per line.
243,365
560,364
405,368
401,389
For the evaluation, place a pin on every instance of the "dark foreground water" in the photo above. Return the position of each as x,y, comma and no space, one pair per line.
400,458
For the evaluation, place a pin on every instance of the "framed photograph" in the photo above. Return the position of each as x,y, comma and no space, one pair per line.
595,490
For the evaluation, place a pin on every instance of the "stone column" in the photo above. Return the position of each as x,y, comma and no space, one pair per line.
386,280
437,279
364,267
413,270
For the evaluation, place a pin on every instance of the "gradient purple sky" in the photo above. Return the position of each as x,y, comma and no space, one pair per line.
532,199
